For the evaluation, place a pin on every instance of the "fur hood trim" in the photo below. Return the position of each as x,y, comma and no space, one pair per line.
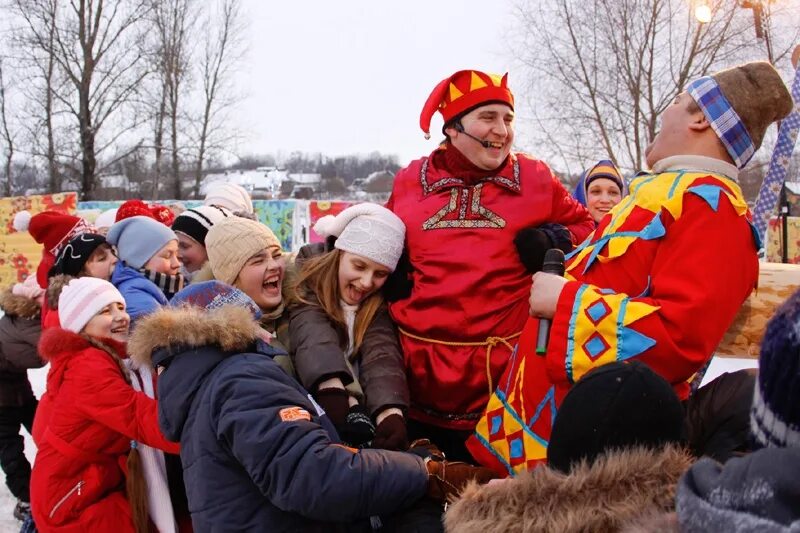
604,496
230,327
57,343
19,306
54,287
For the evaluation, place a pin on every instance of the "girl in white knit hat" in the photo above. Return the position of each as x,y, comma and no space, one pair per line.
92,421
344,344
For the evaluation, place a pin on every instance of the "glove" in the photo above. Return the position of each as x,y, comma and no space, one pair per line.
336,404
391,434
399,283
447,479
533,243
426,449
358,429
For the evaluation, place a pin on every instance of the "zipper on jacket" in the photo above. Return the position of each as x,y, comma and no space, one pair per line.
73,490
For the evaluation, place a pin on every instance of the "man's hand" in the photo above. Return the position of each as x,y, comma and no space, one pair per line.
545,292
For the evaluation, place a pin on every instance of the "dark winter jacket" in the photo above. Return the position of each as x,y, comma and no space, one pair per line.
83,429
605,496
142,296
758,493
318,351
20,328
257,454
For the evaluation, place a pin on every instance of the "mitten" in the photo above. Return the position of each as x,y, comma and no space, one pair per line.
399,283
391,434
358,429
447,479
533,243
336,404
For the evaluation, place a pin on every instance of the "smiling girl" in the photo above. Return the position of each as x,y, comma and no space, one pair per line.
344,344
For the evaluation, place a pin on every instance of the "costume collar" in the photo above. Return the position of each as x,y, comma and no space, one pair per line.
439,178
698,163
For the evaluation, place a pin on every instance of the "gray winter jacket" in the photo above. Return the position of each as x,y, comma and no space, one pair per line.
20,329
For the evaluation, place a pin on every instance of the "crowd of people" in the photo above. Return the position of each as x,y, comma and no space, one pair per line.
394,377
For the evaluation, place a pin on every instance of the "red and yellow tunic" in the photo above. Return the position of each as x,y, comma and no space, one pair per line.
660,280
469,300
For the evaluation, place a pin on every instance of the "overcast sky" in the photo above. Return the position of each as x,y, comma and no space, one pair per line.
349,76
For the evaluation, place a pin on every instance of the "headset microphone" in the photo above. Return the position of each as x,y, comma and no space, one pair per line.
486,144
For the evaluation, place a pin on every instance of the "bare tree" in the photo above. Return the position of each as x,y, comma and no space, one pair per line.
604,70
5,132
221,56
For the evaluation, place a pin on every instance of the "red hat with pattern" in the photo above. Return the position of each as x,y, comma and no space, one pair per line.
52,230
463,91
137,208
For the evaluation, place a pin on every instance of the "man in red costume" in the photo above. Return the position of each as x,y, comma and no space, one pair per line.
661,278
478,218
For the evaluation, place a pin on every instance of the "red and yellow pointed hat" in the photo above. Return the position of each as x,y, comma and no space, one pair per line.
463,91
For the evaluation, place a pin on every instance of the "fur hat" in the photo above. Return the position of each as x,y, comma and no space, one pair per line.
368,230
139,238
82,298
234,240
213,295
197,221
462,92
230,196
52,230
615,406
775,415
75,254
741,103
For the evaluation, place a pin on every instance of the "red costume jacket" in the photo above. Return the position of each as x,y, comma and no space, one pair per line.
470,295
660,280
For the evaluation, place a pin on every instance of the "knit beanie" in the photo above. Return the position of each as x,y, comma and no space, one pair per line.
76,253
234,240
52,230
82,298
197,221
106,219
368,230
740,103
137,208
213,295
29,289
230,196
604,169
138,239
775,414
615,406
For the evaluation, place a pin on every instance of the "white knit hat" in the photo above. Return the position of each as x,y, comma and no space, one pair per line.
82,298
368,230
106,219
229,196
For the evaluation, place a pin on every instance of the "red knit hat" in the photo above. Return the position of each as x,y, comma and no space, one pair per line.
137,208
52,230
463,91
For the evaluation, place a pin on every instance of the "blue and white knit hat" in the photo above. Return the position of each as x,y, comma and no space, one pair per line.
775,414
213,295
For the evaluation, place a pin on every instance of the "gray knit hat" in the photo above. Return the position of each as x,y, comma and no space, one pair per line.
139,238
234,240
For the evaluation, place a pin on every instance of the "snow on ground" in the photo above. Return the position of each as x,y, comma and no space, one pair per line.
38,378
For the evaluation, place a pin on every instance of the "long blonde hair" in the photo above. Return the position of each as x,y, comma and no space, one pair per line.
318,284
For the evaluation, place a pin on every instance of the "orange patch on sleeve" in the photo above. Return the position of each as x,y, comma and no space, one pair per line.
292,414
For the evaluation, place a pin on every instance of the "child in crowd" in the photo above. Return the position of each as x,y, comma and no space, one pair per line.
344,343
87,254
20,328
191,227
92,421
258,454
148,273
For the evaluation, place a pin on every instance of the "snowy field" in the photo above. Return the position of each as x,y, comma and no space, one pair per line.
38,379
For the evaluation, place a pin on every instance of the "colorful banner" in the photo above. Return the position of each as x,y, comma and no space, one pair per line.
278,215
318,209
774,240
19,253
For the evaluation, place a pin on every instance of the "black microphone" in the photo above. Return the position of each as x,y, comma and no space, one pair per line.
486,144
553,264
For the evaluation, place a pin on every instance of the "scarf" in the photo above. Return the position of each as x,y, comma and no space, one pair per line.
453,161
169,285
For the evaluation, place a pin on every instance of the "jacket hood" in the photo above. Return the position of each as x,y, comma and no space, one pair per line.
19,306
230,328
602,496
54,287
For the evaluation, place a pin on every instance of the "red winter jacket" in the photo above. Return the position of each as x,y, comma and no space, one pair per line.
83,430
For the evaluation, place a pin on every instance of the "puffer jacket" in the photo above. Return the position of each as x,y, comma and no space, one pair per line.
20,328
142,296
246,425
83,432
608,495
318,353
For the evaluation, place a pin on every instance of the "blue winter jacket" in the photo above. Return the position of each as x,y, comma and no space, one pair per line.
257,451
142,296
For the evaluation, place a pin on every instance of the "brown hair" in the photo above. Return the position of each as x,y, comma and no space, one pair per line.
318,284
